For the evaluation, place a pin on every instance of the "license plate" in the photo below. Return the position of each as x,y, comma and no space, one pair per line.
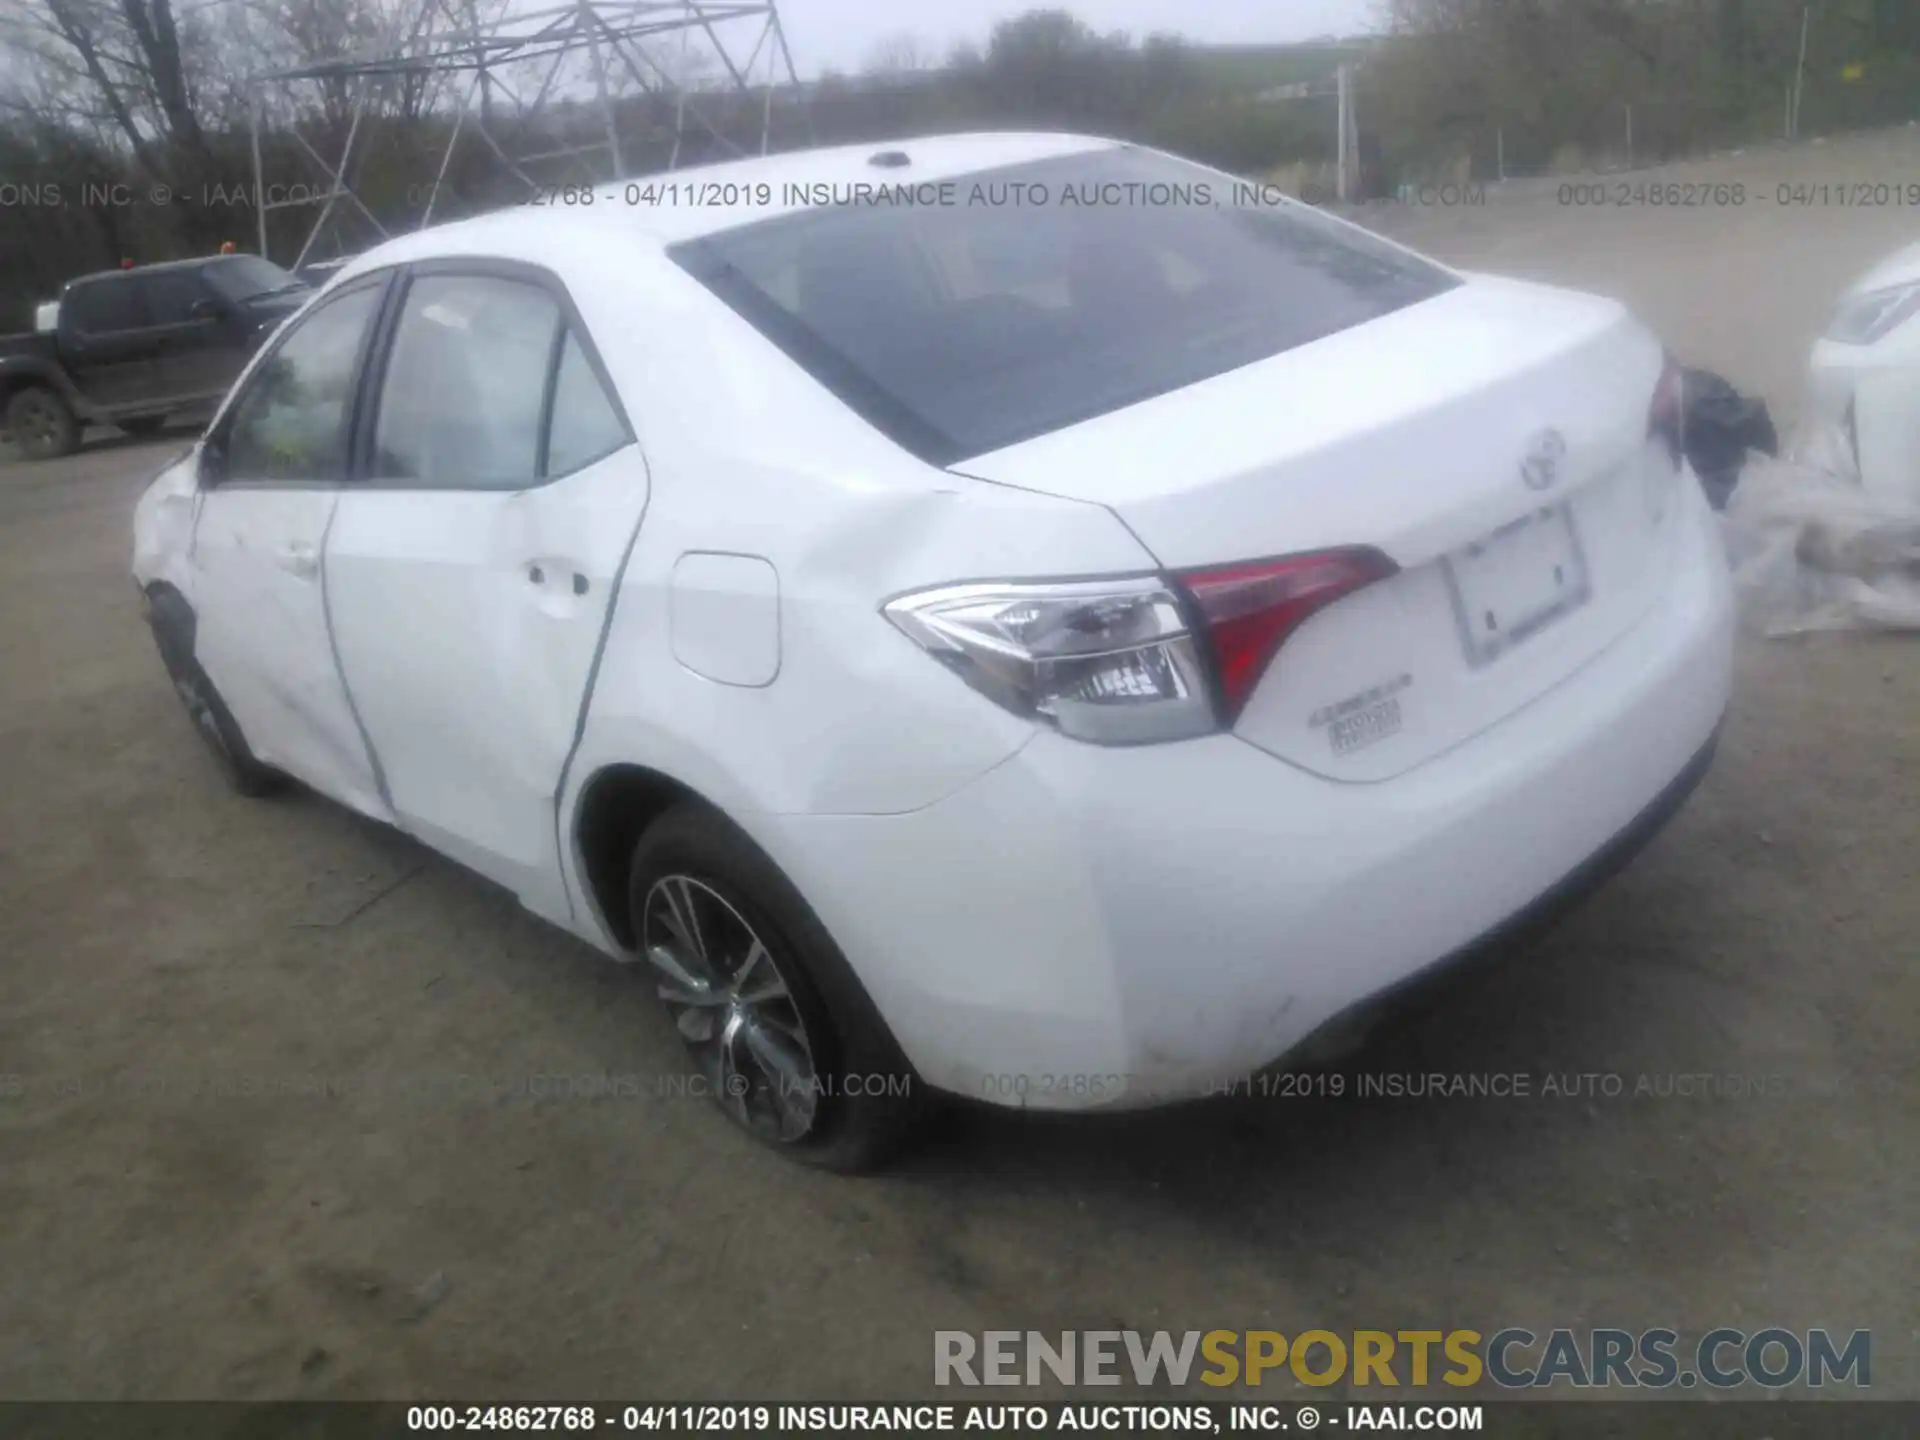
1516,582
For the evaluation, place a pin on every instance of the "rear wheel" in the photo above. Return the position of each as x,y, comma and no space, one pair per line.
780,1033
172,623
42,424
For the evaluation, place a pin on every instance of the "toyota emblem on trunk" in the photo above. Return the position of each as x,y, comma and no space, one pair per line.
1541,468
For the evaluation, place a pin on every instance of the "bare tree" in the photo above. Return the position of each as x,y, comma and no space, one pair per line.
898,54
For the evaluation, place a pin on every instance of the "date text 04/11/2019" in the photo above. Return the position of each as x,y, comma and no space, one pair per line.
922,1419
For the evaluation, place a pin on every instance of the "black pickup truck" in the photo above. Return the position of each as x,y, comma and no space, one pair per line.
133,346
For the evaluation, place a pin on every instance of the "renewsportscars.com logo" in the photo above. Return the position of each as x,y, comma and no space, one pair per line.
1513,1358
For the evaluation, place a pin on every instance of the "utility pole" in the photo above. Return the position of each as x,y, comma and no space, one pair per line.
589,22
480,65
1345,91
1799,75
259,198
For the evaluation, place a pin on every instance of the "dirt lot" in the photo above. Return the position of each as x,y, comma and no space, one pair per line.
167,1231
1741,288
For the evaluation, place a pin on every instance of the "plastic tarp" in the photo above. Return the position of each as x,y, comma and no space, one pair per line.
1811,550
1722,427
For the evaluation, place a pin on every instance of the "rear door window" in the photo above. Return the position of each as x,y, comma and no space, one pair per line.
489,386
104,307
585,425
465,383
1048,293
246,277
170,296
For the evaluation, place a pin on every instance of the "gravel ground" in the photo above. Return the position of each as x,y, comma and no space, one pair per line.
176,1220
1741,288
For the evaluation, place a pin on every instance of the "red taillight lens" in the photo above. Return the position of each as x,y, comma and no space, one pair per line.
1250,609
1667,415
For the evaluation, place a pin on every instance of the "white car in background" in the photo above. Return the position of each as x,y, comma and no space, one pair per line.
1060,654
1866,377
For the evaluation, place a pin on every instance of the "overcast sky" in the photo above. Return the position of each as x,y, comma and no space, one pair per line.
842,34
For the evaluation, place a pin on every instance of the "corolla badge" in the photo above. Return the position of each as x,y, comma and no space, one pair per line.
1541,467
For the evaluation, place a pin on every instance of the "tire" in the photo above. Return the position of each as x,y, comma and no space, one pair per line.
146,425
172,621
785,1040
42,425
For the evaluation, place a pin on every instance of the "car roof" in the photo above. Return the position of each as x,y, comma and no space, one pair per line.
156,267
666,208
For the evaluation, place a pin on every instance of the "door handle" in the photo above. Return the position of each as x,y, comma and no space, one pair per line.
537,576
298,560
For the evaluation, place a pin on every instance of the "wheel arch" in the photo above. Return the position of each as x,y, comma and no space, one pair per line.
172,616
33,374
617,803
620,802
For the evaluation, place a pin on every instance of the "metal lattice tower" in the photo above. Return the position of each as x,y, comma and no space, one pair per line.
495,75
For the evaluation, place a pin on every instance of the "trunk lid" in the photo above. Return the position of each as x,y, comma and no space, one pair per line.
1492,441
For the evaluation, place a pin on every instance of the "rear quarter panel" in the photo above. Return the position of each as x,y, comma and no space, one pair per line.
750,457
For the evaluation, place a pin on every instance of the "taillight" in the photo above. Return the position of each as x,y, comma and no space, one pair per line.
1250,609
1118,662
1112,662
1667,415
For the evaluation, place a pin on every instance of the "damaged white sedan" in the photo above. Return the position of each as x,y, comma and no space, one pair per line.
1059,636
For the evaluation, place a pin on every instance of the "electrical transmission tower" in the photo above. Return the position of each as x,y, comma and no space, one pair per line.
577,93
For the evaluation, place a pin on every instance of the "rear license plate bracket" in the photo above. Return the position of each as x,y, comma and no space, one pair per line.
1515,582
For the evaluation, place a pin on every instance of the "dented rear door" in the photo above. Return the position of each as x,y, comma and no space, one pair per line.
472,570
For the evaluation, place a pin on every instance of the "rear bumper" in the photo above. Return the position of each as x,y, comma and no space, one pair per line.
1087,927
1545,911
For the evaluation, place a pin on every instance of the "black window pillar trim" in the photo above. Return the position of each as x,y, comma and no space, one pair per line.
373,374
556,347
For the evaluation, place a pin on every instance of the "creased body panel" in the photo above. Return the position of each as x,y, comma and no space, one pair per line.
1166,918
467,622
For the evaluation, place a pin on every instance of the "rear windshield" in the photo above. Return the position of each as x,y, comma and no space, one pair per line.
1014,302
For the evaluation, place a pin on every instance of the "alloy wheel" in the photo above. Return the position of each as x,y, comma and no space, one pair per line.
733,1008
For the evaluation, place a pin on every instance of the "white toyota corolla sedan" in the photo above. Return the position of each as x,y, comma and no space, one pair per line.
1012,616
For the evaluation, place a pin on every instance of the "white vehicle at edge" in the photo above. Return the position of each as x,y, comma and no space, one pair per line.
1057,654
1866,377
